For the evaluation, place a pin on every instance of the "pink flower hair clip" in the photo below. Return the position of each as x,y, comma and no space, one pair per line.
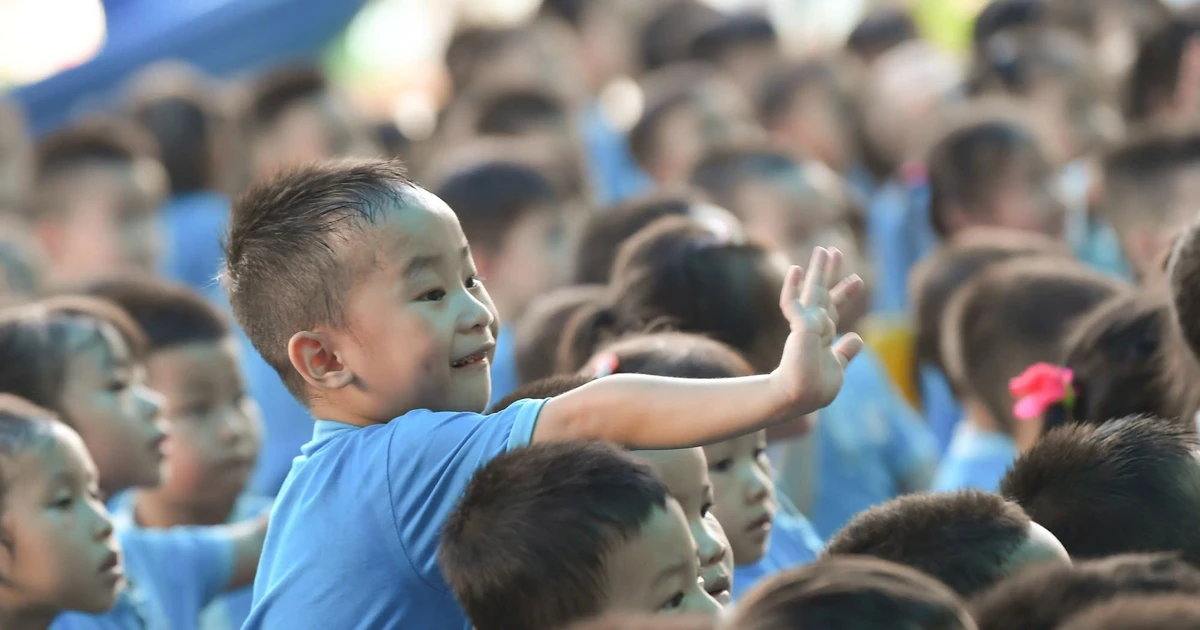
1039,387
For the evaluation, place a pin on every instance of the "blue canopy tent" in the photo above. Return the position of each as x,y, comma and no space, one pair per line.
222,37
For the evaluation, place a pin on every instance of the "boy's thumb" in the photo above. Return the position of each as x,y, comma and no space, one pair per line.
848,347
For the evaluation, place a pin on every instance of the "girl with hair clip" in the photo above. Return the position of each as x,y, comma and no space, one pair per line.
80,358
870,445
766,534
57,548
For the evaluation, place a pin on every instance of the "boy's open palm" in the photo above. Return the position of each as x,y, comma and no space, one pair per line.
814,359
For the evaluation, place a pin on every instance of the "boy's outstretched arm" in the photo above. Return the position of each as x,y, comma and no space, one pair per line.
659,413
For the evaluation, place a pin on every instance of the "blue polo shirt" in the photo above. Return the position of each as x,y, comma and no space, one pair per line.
173,574
354,532
976,459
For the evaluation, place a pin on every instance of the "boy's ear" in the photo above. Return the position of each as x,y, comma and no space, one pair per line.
312,355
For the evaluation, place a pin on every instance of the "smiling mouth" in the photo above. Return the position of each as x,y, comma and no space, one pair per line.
475,358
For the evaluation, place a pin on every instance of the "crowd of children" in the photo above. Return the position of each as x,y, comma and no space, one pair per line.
878,337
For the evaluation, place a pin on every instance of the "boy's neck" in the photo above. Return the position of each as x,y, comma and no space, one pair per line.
154,511
27,619
979,418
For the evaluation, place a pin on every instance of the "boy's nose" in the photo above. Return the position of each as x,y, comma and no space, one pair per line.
103,524
757,490
476,314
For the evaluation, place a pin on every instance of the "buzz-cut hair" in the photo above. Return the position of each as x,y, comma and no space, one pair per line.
1163,612
1042,597
289,252
527,544
1011,316
965,539
1142,175
1126,486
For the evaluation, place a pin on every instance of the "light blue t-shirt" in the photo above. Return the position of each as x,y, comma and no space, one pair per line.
900,235
354,532
228,611
614,172
976,459
173,574
793,543
872,447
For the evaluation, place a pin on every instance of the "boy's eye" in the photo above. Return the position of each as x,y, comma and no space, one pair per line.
721,466
675,602
436,295
63,503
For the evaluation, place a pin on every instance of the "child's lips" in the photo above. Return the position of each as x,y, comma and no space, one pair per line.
760,525
477,358
719,587
111,567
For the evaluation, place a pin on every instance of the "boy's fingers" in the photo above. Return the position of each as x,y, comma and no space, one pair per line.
791,290
846,290
847,348
815,275
833,271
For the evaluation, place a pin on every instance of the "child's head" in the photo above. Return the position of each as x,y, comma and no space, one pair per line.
1164,612
57,549
1183,271
606,231
1116,354
1150,183
1006,16
745,46
97,190
992,172
557,533
603,29
1043,597
1153,87
326,263
296,119
806,110
538,332
741,492
82,359
681,272
690,110
510,216
1127,486
790,206
667,36
185,127
969,540
1011,316
192,361
954,263
535,114
879,31
846,593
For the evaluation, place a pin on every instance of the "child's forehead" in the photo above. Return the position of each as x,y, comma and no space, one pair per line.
60,456
423,225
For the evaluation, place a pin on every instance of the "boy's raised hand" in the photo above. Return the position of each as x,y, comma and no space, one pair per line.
814,359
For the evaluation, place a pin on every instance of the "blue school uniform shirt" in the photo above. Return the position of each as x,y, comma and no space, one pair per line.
505,379
793,543
976,459
871,447
354,531
614,173
942,411
172,574
900,235
228,611
193,224
287,425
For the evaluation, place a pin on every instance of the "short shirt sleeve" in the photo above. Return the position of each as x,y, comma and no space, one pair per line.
181,567
431,459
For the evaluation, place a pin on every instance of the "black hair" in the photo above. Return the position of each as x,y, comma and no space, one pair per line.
1116,354
644,141
37,344
967,165
169,314
1164,612
1138,477
668,35
278,90
23,426
881,31
548,387
605,231
492,197
527,544
1183,271
1154,77
517,112
964,539
721,172
680,273
1042,597
1011,316
715,42
539,330
1001,16
183,127
851,593
286,260
778,93
1142,174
